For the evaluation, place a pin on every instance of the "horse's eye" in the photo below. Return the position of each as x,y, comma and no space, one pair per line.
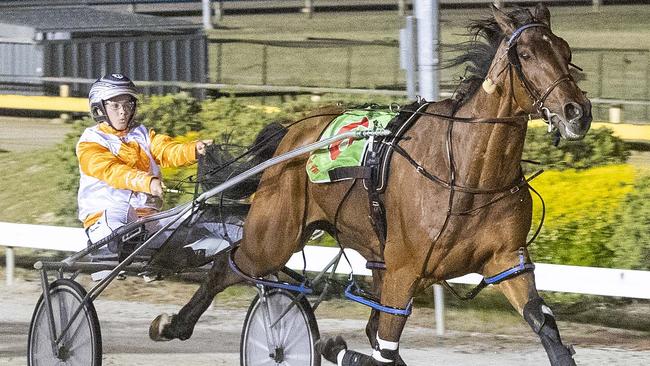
524,55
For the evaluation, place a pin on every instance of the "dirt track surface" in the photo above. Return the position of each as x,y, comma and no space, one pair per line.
125,322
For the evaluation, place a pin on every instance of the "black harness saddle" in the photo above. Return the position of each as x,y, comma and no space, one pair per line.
375,168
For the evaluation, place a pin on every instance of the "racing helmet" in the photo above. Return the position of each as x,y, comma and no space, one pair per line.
107,87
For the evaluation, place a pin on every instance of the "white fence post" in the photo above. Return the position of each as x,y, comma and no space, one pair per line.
9,269
428,31
218,11
439,308
408,56
309,8
64,91
596,4
401,7
616,113
207,14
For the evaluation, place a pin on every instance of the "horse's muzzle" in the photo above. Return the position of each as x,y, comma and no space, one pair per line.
575,120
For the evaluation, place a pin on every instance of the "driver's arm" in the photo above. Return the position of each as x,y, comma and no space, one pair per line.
170,153
97,161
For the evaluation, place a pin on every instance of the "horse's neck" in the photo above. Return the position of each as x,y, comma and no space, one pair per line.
488,155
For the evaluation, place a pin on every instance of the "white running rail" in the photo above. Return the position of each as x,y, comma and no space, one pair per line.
549,277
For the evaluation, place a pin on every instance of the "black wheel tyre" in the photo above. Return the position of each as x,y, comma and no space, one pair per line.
293,337
82,343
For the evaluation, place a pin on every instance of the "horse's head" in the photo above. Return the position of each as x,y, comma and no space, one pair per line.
540,61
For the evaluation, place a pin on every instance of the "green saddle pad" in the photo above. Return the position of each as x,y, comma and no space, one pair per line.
348,152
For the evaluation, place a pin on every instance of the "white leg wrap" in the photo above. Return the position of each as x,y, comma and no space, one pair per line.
376,354
386,344
339,357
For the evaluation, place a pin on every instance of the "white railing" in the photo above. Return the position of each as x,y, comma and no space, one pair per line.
548,277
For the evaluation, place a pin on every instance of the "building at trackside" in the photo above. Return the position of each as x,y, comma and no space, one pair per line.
78,41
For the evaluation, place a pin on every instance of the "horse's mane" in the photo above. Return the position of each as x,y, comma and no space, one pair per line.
478,53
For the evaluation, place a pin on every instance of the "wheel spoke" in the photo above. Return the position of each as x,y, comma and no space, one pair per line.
259,344
79,342
298,332
78,325
68,311
80,358
292,331
63,316
74,346
300,358
81,322
293,321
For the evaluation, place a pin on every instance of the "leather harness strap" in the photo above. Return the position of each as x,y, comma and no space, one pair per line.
375,201
347,172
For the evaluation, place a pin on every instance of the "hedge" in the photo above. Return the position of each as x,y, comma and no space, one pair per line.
581,214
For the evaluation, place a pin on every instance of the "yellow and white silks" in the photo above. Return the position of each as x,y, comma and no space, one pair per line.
116,169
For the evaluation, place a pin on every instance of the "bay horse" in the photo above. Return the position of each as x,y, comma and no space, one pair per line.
455,202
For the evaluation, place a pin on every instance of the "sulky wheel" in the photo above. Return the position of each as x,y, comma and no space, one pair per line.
80,345
289,342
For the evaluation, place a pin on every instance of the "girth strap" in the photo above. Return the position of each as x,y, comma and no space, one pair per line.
514,271
354,172
376,207
375,265
302,288
355,293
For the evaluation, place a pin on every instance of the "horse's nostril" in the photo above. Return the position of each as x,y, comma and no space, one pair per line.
572,111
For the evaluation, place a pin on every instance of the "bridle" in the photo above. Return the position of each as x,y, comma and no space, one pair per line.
536,97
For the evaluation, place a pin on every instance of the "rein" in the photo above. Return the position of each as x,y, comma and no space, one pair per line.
501,193
194,179
514,120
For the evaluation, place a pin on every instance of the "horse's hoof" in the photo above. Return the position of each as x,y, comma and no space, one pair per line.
157,326
399,361
331,347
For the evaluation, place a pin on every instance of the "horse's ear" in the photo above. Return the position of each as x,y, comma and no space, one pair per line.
505,22
542,14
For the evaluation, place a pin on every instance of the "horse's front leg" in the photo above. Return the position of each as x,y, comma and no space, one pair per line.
372,326
373,321
167,327
522,294
396,295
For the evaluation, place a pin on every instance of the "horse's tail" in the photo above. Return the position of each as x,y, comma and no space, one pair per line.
267,141
222,162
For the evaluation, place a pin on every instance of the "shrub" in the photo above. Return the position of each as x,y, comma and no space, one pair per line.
630,242
172,114
581,214
599,147
229,120
68,180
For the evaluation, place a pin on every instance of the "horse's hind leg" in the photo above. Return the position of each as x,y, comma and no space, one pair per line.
268,242
522,294
181,325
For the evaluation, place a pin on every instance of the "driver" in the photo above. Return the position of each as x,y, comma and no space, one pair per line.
120,160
